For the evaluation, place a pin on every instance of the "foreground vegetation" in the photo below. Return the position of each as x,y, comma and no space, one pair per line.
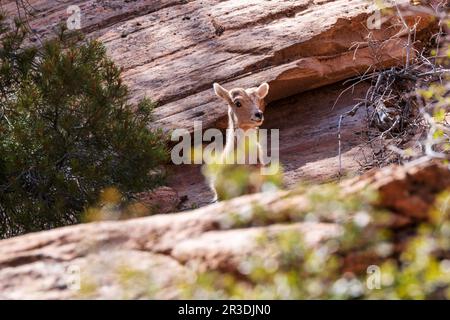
377,254
369,260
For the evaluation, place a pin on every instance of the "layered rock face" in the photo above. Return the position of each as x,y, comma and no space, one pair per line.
173,50
168,248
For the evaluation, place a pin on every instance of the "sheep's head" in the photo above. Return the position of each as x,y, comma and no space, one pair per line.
246,106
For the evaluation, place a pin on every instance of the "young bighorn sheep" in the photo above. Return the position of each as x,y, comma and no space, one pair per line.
245,112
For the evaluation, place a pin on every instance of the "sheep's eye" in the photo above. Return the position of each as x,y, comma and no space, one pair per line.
238,104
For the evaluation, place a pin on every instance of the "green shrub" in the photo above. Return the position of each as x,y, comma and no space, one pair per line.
67,131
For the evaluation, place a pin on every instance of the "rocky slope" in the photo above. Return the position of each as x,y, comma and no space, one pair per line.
173,50
160,250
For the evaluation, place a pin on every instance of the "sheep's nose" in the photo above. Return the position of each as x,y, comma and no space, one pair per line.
259,115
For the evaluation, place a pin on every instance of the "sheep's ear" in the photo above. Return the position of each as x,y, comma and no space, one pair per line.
221,92
263,90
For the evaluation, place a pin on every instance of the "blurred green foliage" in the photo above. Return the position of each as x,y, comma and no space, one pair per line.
436,102
112,205
412,262
413,266
234,176
67,131
232,181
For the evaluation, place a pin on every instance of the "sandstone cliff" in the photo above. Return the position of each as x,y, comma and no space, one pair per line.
159,251
173,50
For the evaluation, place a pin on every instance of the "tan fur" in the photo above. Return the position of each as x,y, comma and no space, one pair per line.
245,111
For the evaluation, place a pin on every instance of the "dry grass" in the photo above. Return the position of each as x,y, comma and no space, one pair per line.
400,107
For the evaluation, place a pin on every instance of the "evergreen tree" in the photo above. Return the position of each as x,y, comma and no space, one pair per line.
66,131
